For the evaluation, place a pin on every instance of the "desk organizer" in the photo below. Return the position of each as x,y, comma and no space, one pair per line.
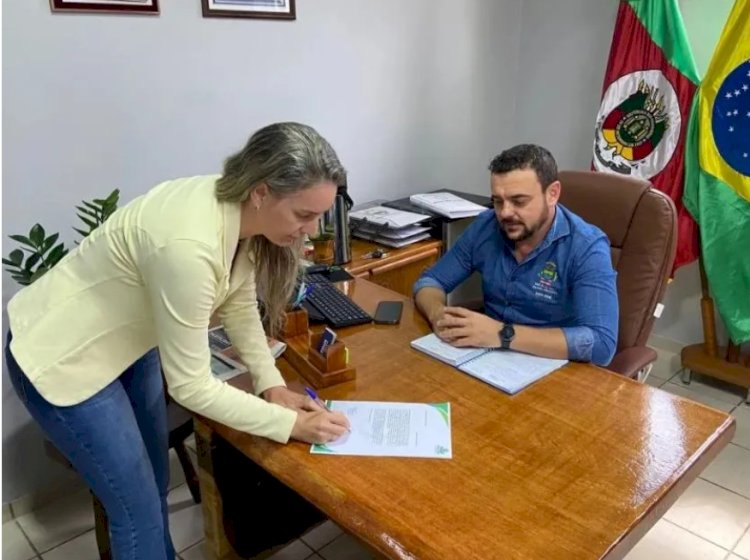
320,370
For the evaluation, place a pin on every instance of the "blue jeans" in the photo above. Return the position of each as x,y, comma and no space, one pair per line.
117,440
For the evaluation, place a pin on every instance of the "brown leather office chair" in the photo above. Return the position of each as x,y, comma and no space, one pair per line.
641,224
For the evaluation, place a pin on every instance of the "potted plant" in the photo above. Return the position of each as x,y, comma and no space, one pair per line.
322,244
38,253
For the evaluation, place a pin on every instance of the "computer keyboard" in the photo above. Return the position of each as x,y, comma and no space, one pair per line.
316,278
337,309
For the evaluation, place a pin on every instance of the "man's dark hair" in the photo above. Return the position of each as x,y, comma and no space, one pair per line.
527,156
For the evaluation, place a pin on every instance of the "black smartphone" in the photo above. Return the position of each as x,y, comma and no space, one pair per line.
388,312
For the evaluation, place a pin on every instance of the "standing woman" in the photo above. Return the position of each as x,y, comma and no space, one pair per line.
89,340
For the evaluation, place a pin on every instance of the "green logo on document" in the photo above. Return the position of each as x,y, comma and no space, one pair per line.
440,450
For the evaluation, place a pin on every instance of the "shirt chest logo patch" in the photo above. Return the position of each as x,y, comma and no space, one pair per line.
546,286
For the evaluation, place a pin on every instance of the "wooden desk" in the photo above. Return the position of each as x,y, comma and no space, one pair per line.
579,465
400,269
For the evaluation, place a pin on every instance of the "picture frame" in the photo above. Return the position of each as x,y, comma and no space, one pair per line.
263,9
106,6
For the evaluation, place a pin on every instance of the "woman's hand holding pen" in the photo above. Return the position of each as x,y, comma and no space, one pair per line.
315,423
290,399
320,426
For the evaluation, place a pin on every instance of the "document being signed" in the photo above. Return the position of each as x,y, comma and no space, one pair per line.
390,429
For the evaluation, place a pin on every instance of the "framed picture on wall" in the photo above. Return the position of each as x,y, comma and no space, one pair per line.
269,9
110,6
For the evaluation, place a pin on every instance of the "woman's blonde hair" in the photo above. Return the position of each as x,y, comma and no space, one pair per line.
288,157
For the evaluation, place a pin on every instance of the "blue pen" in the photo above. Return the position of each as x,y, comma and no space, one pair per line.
314,396
304,289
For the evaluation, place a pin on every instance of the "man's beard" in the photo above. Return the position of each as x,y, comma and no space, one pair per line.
526,231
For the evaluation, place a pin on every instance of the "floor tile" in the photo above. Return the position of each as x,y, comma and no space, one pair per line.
15,545
734,557
185,519
80,548
655,381
711,387
730,470
60,521
669,542
742,548
683,391
321,535
742,435
711,512
196,552
296,550
345,547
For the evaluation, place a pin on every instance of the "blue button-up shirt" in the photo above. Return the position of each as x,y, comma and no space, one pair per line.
567,281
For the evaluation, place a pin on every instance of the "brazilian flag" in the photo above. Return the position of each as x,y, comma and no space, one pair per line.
717,172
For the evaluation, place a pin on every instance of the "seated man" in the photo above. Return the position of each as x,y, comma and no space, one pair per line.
547,276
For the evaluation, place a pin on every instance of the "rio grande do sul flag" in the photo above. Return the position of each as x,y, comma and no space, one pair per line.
717,180
648,89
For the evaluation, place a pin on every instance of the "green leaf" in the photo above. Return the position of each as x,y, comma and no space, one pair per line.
99,201
88,212
49,242
22,279
37,235
31,261
113,197
16,256
38,274
56,254
22,239
83,233
92,225
9,263
93,207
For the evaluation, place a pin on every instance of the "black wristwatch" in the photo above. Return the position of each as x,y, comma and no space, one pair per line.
506,334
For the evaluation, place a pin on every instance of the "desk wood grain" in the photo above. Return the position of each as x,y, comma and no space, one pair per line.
579,465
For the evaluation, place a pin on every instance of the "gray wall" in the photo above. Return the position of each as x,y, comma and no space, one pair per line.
411,94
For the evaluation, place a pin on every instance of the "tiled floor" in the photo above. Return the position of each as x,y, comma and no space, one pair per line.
711,520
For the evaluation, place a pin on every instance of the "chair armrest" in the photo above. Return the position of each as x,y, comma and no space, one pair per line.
630,361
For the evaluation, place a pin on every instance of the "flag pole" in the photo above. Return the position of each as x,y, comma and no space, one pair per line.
707,357
707,314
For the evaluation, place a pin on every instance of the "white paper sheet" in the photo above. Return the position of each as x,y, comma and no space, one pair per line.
389,217
510,371
391,429
432,346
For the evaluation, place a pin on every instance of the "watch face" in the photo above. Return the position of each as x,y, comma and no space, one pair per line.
508,332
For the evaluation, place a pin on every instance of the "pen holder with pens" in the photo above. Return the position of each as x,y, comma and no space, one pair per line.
320,370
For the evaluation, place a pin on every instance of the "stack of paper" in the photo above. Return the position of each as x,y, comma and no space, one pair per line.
388,226
447,204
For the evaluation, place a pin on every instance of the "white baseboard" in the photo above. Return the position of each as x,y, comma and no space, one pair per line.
664,343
